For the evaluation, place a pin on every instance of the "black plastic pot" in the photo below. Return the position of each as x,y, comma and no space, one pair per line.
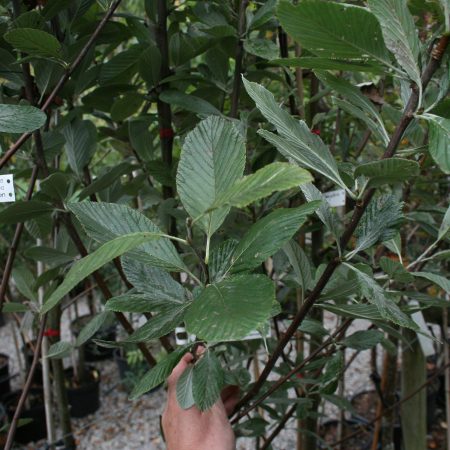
434,390
366,411
36,429
84,399
329,430
5,387
92,352
3,422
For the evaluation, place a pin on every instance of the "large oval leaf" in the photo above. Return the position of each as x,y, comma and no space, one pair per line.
20,119
90,263
334,30
268,235
106,221
212,160
230,309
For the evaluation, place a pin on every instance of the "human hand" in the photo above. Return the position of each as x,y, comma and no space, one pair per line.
192,429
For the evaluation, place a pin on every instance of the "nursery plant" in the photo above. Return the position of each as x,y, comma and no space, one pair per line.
260,173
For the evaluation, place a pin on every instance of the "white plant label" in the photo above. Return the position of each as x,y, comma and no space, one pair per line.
335,198
7,193
257,335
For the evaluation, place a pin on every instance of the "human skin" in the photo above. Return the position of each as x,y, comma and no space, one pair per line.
192,429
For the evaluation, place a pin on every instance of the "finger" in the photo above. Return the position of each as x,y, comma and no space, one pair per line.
230,398
177,371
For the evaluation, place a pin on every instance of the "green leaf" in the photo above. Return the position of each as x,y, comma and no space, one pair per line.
207,381
400,34
313,327
335,31
378,222
120,64
34,42
363,340
230,309
375,294
158,374
268,235
136,303
319,63
386,171
220,259
212,160
325,213
106,221
29,19
48,255
156,285
356,311
59,349
189,102
264,48
439,140
13,307
53,7
126,105
159,325
445,225
185,396
395,270
300,264
23,211
90,263
295,141
25,282
439,280
92,327
277,176
361,106
150,65
20,118
81,142
110,176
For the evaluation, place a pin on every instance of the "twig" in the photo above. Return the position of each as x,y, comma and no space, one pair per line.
27,386
279,427
359,210
18,144
292,372
391,407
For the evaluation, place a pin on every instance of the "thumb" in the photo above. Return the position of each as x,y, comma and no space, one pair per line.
177,372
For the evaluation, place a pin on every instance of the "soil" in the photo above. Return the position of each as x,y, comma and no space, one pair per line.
438,435
365,404
329,432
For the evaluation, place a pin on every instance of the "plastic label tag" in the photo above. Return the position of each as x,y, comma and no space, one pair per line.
335,198
7,193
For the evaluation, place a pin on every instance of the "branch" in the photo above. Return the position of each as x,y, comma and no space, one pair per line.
15,242
18,144
238,61
359,210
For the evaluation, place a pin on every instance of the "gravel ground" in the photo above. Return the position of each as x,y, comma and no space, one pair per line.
125,425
